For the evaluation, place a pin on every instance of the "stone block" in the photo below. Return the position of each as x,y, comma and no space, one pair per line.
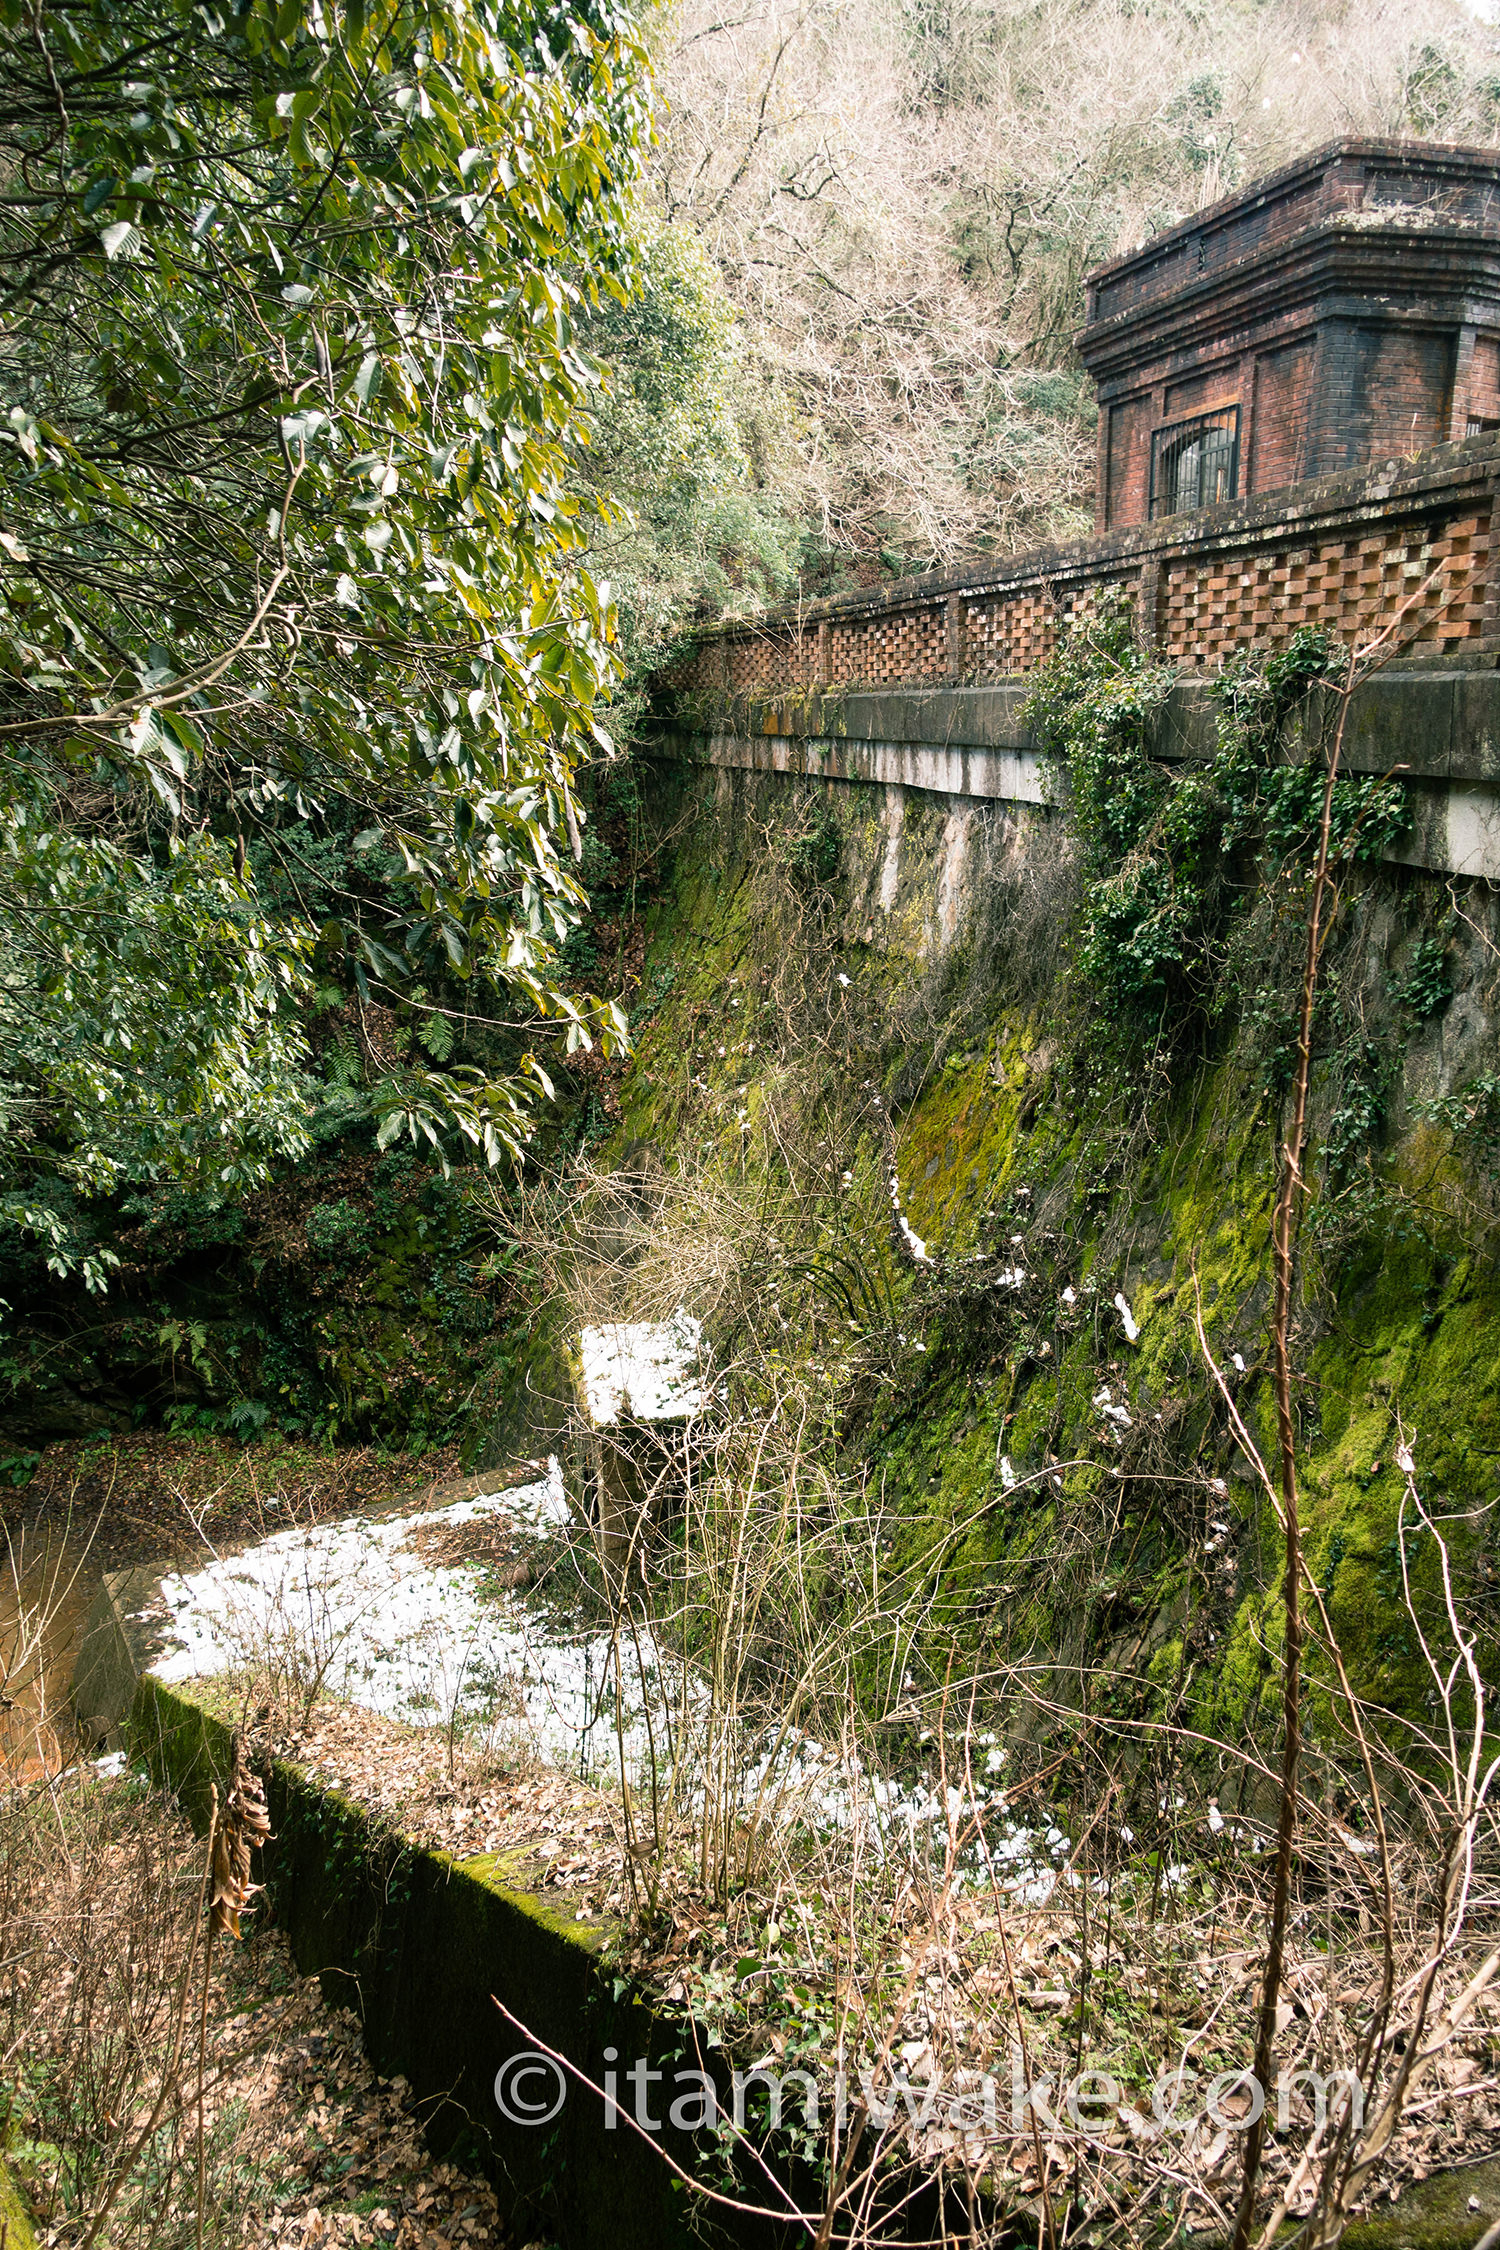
1402,721
1476,726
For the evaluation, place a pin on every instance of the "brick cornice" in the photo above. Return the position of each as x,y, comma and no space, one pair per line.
1353,264
1442,160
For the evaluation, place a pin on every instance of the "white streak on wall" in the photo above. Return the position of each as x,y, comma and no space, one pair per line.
955,853
890,868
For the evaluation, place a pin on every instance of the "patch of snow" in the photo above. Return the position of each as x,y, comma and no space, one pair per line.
1127,1316
349,1606
542,1507
913,1240
649,1369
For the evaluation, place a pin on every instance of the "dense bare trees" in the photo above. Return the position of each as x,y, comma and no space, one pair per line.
904,195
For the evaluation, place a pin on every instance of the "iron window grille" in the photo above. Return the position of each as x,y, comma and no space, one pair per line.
1196,463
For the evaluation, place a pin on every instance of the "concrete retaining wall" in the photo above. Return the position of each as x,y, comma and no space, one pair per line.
1436,728
418,1942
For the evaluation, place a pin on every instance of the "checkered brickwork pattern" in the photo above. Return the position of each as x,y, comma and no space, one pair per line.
1209,606
772,661
1004,635
905,647
1353,586
1013,633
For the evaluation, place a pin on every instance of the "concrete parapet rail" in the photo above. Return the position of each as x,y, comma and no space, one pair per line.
920,684
1435,726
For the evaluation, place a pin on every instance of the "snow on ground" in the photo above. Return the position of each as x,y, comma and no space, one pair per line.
350,1607
647,1370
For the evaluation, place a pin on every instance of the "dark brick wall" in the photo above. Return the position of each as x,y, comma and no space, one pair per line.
1483,399
1129,460
1221,385
1380,390
1349,306
1219,237
1279,408
1447,185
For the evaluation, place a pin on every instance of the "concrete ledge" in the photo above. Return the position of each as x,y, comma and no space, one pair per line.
1441,724
1437,729
976,717
118,1644
955,772
417,1942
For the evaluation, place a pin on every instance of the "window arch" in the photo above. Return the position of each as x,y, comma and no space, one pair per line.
1195,464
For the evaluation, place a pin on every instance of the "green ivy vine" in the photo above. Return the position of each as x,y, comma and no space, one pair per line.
1172,851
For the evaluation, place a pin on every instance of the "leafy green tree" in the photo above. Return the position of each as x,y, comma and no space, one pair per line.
696,436
288,348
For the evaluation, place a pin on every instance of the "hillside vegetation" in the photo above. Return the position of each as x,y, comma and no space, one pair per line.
902,198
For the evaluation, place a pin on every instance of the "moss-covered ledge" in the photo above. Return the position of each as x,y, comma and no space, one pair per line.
15,2220
418,1942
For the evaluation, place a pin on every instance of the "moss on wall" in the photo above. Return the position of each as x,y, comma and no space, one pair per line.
15,2220
935,963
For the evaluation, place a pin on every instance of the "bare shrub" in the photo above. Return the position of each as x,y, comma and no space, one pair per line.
102,1898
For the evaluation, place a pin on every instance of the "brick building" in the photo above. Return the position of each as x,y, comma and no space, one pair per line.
1300,426
1342,311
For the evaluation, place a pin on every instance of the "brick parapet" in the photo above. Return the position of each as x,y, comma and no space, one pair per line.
1343,551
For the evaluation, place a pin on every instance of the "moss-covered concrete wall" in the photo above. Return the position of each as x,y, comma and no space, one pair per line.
15,2221
420,1945
805,936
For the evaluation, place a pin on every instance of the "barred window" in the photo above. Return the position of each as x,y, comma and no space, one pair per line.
1195,463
